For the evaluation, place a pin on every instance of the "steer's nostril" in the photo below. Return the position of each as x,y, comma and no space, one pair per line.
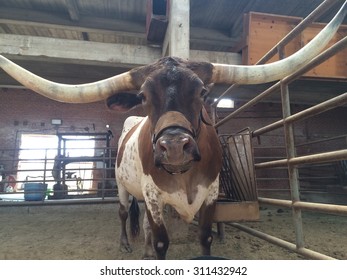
163,145
178,144
187,145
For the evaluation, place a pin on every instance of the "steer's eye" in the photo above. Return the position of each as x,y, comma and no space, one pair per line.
204,92
141,96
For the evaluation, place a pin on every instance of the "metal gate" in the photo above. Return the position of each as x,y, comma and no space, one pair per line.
292,162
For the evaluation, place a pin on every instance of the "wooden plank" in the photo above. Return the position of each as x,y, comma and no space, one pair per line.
266,30
334,67
236,211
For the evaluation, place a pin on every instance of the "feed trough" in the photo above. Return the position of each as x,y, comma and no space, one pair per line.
238,193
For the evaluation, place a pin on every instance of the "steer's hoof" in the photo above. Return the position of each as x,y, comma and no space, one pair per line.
149,257
125,248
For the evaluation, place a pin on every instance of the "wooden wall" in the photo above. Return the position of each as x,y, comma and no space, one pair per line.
263,31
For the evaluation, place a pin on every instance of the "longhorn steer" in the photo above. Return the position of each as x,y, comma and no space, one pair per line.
172,156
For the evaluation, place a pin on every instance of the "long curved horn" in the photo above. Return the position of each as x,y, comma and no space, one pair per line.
256,74
83,93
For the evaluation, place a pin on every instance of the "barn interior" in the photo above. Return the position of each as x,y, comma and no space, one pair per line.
66,152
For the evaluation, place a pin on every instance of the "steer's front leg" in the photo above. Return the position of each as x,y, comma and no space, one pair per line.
205,227
154,210
160,237
123,215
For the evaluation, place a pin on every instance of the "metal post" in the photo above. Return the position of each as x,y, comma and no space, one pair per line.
45,167
103,174
292,169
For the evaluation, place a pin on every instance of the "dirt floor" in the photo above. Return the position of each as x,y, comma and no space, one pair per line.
92,232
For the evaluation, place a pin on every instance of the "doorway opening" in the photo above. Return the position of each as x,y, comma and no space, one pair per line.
36,159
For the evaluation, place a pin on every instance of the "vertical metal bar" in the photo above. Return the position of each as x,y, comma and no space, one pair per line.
45,167
281,53
103,174
63,165
292,169
214,114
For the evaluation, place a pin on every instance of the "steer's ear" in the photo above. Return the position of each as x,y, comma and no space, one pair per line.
123,101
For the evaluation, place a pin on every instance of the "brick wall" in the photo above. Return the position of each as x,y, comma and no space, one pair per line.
22,111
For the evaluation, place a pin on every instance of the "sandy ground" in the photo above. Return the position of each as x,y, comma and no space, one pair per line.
92,232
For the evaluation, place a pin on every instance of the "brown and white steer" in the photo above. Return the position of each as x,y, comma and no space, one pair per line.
172,156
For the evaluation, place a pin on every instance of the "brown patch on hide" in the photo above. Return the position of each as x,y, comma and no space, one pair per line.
124,142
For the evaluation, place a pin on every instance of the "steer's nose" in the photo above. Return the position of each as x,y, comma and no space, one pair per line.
176,149
174,146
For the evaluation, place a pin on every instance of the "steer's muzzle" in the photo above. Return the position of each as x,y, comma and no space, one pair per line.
174,145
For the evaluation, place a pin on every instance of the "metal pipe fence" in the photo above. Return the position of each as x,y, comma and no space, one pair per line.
291,162
79,177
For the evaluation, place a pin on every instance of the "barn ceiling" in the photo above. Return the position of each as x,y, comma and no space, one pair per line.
214,26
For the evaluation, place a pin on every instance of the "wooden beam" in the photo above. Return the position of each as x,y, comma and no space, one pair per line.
76,51
36,53
73,61
176,42
216,57
79,52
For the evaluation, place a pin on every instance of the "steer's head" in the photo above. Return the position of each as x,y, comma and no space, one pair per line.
172,96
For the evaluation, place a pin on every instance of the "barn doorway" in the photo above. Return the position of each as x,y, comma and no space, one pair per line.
36,159
34,153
